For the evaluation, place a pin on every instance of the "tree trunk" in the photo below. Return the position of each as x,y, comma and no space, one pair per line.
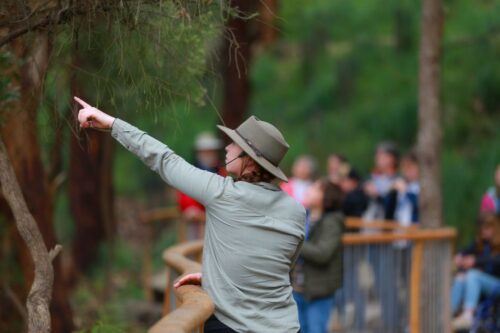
236,58
430,132
91,195
19,132
268,30
90,188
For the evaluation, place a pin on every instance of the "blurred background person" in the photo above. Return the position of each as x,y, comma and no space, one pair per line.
379,187
337,167
318,272
303,172
382,205
355,199
408,190
478,268
491,199
207,150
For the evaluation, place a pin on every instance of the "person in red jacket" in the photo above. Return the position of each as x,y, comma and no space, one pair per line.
207,157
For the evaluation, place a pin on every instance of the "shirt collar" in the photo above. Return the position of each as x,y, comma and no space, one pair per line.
268,186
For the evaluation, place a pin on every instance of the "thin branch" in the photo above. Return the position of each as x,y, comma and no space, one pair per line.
42,17
55,251
41,290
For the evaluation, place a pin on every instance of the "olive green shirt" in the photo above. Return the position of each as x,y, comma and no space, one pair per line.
253,235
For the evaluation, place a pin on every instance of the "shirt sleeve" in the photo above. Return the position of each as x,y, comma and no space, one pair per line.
199,184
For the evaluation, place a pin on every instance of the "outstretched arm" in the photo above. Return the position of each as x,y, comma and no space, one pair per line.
202,185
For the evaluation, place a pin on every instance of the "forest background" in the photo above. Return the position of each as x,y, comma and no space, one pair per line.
335,76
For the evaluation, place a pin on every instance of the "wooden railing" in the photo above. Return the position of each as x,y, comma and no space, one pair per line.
430,265
429,253
194,304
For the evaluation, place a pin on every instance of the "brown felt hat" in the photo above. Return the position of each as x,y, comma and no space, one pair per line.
263,142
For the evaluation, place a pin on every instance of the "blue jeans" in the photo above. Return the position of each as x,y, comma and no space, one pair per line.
468,287
313,315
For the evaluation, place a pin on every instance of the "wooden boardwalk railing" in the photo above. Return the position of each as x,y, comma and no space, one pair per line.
425,282
429,257
194,304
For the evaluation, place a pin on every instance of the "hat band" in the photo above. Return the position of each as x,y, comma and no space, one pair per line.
255,149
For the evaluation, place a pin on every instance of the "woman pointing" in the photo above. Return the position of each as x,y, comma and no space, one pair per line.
254,231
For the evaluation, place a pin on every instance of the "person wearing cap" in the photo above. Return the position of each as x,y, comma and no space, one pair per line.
254,231
207,148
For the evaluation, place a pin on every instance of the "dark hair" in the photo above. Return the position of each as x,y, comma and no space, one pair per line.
341,157
259,175
333,196
489,220
256,177
354,175
390,148
411,156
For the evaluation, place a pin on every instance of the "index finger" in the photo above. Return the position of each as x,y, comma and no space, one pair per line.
82,102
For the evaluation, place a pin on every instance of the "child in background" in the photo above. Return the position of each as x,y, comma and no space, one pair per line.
478,271
379,187
408,190
491,199
318,272
337,167
355,200
303,171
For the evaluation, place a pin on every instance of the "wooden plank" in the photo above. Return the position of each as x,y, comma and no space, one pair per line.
196,307
167,307
188,314
359,223
415,283
158,214
414,235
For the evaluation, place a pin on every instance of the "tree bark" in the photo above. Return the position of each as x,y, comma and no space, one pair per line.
40,294
19,132
430,132
91,194
90,188
268,29
236,58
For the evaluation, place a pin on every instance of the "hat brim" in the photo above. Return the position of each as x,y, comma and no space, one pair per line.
274,170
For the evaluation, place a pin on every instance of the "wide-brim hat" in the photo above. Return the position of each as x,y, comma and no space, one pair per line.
263,142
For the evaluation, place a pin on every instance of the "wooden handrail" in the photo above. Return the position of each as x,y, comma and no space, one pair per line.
156,214
176,257
195,304
359,223
196,307
413,235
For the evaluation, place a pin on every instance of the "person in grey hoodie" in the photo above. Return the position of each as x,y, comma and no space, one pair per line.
254,231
